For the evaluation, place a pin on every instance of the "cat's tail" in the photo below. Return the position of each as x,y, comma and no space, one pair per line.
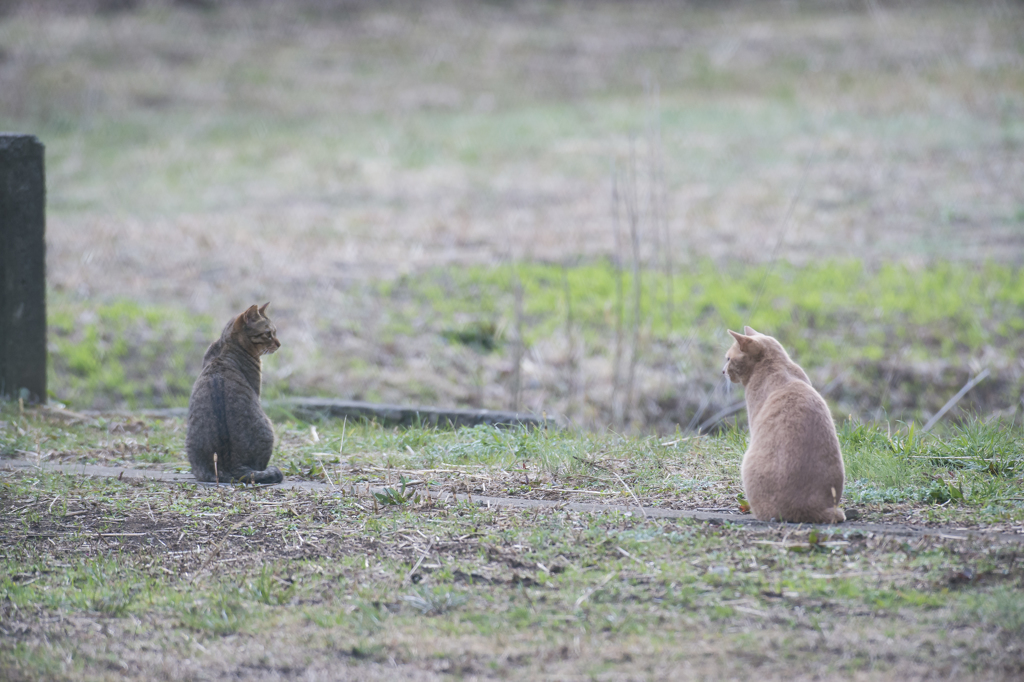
244,474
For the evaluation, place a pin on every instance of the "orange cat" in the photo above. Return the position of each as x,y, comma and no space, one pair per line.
793,470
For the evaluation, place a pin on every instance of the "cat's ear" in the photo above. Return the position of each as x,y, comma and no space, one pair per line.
252,314
749,331
263,310
746,343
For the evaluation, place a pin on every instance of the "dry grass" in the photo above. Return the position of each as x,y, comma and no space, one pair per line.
208,159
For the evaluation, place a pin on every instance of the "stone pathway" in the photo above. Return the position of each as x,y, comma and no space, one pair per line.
716,518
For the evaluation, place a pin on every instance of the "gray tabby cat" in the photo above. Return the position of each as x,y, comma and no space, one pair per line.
224,412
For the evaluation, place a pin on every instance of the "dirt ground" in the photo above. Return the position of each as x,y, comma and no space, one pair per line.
314,587
352,573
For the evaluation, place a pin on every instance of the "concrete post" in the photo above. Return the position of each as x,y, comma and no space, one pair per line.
22,268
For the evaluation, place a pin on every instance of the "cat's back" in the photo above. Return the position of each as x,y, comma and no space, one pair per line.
795,423
207,421
793,469
222,390
795,404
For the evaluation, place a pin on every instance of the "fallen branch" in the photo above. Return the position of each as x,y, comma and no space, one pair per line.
955,399
721,414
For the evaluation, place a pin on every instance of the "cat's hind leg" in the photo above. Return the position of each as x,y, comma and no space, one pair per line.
826,515
835,515
202,467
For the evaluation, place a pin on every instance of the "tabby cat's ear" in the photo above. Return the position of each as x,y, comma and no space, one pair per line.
749,331
263,310
745,343
252,314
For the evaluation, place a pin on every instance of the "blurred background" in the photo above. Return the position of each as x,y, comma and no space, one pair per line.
551,206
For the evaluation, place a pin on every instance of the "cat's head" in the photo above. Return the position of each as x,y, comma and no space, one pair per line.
749,350
254,331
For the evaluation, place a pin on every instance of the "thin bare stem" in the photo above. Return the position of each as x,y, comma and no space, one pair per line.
571,363
652,169
633,216
324,469
412,571
659,221
619,305
631,493
590,591
517,350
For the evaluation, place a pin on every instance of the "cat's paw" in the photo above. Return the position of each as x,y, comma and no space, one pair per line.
268,476
272,475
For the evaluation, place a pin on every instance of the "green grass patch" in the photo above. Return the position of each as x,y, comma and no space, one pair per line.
894,338
856,313
123,354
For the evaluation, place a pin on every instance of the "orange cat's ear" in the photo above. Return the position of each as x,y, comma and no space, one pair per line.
263,310
745,343
749,331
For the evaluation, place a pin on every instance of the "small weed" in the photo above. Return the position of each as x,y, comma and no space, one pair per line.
310,466
267,588
219,614
113,601
863,492
391,496
942,491
903,443
434,602
367,618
